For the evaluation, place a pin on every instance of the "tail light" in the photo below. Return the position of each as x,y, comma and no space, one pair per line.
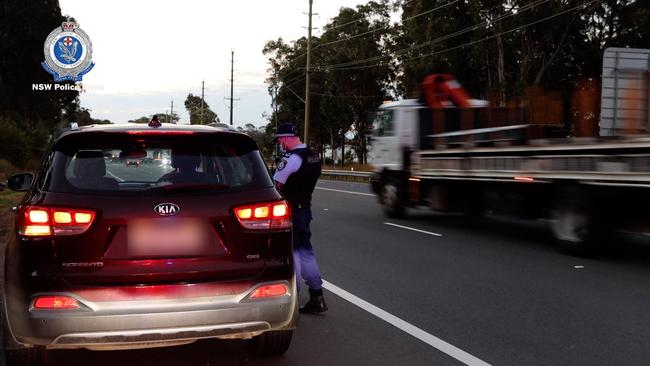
266,291
46,221
264,216
55,302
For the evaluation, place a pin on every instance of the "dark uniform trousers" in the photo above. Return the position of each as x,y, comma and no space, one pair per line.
303,253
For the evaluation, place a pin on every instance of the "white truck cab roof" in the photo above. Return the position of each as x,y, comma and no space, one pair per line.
402,103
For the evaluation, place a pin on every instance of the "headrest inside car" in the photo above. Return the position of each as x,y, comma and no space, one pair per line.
89,164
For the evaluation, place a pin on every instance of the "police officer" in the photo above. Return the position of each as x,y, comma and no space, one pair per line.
295,176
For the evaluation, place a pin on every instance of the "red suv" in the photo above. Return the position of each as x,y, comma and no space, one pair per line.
106,257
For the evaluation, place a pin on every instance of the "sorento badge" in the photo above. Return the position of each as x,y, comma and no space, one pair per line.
68,53
167,209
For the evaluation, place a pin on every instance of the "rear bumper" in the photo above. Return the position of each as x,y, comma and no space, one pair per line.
151,323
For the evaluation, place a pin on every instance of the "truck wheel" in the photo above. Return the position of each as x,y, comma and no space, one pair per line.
35,356
576,228
390,198
272,343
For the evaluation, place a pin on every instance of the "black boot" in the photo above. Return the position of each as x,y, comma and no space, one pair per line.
316,303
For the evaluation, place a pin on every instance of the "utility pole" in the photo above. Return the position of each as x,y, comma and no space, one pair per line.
172,112
275,107
232,82
232,64
307,74
202,94
275,99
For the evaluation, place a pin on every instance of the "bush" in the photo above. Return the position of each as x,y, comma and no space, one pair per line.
6,169
21,146
15,144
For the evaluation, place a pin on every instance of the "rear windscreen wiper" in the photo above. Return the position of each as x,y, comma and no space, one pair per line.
194,186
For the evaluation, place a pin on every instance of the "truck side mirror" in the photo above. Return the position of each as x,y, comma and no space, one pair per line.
20,182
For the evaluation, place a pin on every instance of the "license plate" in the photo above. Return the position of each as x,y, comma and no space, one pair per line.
166,237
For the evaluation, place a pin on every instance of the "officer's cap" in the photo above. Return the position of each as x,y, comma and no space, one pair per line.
286,130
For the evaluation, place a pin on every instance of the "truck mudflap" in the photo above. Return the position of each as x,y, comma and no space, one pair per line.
375,183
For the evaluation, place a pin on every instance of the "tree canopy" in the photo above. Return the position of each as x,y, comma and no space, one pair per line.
194,106
28,117
498,50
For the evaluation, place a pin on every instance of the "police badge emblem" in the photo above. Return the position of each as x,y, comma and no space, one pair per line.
282,164
68,53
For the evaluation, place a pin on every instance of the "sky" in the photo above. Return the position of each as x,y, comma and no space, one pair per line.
148,53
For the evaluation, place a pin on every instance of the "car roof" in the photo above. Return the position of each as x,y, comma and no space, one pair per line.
165,127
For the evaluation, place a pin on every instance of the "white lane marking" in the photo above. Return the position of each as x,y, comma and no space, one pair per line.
342,191
115,176
413,229
406,327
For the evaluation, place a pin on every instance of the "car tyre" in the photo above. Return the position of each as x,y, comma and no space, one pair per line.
272,343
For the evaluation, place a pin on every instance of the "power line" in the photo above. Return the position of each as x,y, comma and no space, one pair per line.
473,42
437,40
360,19
343,65
383,28
294,80
347,96
409,60
374,30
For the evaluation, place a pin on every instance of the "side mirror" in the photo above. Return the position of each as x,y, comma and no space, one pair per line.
20,182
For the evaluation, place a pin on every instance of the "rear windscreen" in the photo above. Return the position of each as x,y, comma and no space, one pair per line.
121,162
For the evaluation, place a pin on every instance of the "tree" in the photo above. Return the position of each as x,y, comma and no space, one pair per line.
83,118
162,118
340,98
142,119
30,115
193,106
366,32
167,118
261,137
497,49
20,64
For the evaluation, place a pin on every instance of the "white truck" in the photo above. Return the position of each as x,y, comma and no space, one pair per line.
454,154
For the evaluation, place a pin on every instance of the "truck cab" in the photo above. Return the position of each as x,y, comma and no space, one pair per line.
395,132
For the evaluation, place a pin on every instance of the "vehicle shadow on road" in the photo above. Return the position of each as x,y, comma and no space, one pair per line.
204,353
625,249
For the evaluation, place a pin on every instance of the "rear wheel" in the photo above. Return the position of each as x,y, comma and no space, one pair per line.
272,343
391,201
577,226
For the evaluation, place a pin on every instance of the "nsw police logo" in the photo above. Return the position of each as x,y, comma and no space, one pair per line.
68,53
282,164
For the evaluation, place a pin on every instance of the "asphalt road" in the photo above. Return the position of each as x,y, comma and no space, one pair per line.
492,288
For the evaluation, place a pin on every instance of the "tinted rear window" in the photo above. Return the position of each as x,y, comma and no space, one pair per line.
111,162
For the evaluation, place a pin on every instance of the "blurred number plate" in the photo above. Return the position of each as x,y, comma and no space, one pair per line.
166,237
